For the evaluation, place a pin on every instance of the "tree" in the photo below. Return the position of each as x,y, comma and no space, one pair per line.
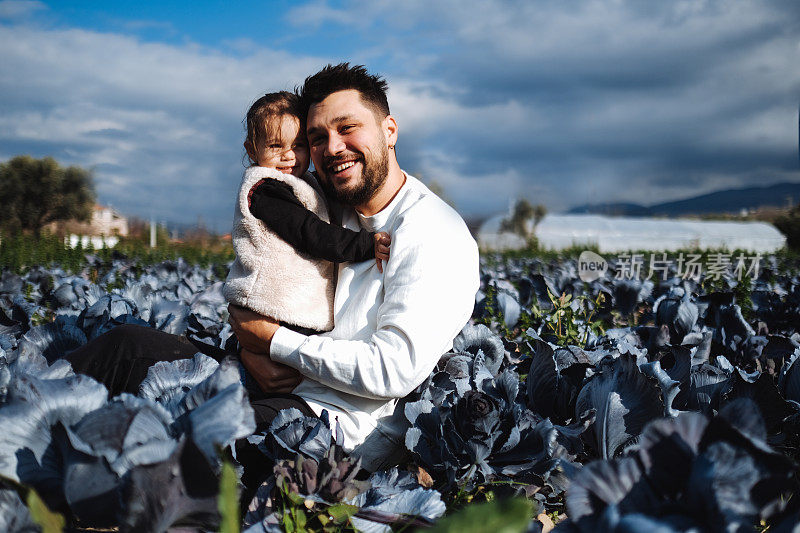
522,213
35,192
789,225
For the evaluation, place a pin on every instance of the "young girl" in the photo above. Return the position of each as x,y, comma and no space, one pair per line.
285,246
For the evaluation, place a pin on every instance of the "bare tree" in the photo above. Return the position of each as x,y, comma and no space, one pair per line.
523,212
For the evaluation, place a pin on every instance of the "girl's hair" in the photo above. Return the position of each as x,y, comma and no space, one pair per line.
264,117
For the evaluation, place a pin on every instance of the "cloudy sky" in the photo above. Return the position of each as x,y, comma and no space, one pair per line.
561,102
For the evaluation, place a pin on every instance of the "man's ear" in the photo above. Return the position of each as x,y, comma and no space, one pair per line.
390,130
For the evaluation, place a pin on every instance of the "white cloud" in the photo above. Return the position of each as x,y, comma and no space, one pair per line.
316,13
151,119
566,103
16,9
642,100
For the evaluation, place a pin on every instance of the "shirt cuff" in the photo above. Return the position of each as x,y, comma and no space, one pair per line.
285,344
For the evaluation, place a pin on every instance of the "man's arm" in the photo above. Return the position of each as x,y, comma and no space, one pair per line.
251,328
430,282
270,376
253,331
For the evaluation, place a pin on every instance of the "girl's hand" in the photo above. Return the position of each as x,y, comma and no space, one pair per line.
382,242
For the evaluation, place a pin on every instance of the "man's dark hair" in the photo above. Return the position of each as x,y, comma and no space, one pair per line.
334,78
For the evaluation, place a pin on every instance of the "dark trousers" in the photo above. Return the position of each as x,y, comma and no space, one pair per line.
120,359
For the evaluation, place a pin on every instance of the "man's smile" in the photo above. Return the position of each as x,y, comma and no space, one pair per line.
340,170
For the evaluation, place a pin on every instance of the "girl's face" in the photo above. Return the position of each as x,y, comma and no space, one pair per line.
285,148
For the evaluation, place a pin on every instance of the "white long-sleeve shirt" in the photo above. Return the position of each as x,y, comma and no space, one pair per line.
391,328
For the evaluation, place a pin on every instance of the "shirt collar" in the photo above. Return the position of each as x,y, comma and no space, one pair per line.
379,219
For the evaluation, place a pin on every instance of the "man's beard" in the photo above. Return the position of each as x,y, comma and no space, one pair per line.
372,177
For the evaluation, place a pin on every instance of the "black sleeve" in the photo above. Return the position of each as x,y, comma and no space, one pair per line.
274,203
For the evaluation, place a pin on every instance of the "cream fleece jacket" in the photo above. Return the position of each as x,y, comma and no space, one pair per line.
391,328
268,275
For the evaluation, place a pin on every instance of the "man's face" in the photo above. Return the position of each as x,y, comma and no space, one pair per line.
348,147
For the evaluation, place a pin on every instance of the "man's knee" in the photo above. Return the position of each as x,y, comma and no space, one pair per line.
104,350
127,331
120,342
131,341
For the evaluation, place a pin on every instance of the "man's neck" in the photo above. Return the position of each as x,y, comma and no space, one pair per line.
394,182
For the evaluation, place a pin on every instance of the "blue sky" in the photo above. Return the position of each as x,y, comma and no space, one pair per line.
218,25
563,103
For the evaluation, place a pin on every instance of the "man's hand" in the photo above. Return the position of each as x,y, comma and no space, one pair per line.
272,377
254,331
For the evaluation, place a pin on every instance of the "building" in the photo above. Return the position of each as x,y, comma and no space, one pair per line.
105,228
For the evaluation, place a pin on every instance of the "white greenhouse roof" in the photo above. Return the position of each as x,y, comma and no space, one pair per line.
618,234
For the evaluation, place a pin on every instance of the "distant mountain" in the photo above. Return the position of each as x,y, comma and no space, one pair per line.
614,209
726,201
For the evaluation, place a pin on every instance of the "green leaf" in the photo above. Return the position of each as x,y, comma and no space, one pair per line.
300,519
296,499
228,499
49,521
499,516
341,512
288,523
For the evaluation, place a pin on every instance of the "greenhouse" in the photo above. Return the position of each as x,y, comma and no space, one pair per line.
617,234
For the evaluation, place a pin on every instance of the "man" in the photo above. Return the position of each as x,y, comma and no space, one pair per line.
391,327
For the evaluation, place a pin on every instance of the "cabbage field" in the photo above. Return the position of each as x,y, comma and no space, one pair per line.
664,404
